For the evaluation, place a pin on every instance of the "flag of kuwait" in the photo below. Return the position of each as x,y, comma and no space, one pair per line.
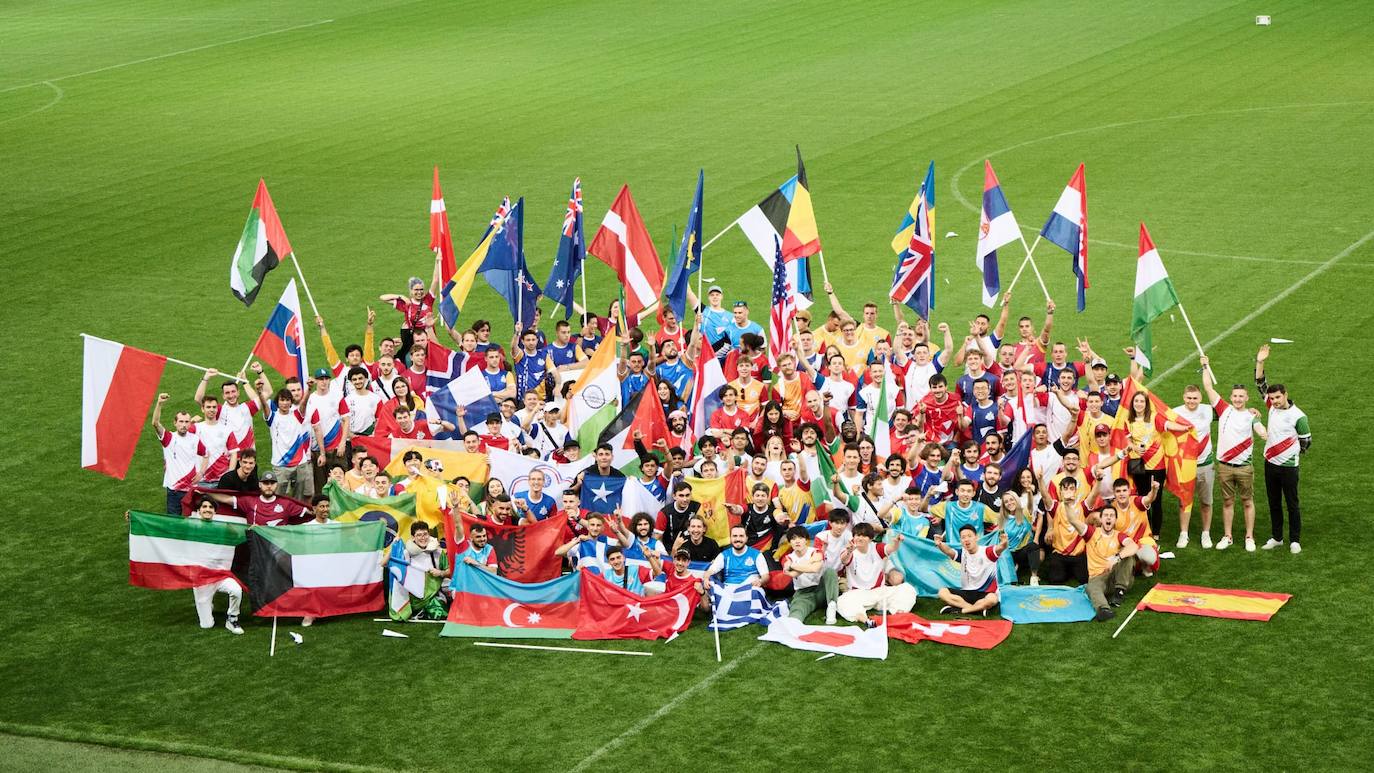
168,552
316,571
261,247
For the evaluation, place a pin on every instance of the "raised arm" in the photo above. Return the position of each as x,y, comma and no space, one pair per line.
1260,380
835,302
1049,323
156,423
1001,329
1208,385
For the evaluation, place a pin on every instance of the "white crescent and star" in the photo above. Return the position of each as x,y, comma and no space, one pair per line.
633,611
683,611
532,618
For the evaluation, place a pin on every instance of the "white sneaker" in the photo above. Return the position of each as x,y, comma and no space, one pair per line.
1207,540
231,624
1035,580
1271,544
1182,540
1249,544
306,622
1224,542
1295,548
830,613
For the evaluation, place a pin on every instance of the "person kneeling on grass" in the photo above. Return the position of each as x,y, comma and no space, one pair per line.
1109,552
205,594
894,595
424,554
814,584
977,591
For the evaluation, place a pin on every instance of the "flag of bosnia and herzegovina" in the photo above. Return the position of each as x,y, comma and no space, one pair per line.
261,247
316,570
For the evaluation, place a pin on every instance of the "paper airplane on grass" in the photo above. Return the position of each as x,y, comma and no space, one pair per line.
295,637
1280,341
951,235
387,632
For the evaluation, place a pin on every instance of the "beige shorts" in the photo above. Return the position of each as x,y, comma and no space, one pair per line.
1206,480
1236,481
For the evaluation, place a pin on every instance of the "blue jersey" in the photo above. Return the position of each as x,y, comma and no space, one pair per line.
964,386
984,421
563,354
496,381
714,323
540,509
483,557
631,386
927,478
974,473
678,374
956,517
1052,371
733,331
591,555
741,567
530,371
632,580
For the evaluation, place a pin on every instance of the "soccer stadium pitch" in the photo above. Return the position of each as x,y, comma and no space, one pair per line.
132,134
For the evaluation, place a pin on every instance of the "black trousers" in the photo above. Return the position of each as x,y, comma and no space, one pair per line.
1281,484
1059,568
1141,482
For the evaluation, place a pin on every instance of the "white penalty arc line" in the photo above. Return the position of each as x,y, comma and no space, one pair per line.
1269,304
107,68
57,97
958,196
665,709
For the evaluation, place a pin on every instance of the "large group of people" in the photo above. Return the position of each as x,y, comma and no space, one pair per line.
1086,508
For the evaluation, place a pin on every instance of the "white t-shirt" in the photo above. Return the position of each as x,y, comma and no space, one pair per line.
832,546
181,456
1201,419
290,439
215,438
323,410
239,419
361,410
917,382
1045,461
865,570
1235,434
893,491
805,579
977,570
840,392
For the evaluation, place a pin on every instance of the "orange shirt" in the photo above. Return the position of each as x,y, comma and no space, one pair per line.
1100,547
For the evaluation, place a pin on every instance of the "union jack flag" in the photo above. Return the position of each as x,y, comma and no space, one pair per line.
498,220
574,207
913,282
784,311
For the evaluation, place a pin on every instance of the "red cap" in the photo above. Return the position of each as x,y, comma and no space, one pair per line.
1102,429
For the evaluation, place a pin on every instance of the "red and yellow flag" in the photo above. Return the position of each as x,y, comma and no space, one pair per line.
1174,451
1213,602
714,494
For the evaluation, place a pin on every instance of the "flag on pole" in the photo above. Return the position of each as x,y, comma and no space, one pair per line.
786,215
924,195
282,343
593,400
784,311
688,259
1067,229
572,251
880,427
996,229
453,296
170,552
261,247
623,243
507,272
739,605
1154,295
440,237
707,379
913,283
848,640
1214,602
316,572
118,385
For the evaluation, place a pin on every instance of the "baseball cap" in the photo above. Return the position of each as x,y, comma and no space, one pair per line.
268,476
496,417
714,289
1112,377
741,304
682,553
1102,429
1098,362
321,373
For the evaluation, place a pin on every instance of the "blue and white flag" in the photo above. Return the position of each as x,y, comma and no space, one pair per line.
1045,604
601,493
472,392
735,606
572,252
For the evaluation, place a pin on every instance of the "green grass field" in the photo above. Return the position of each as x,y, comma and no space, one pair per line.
132,134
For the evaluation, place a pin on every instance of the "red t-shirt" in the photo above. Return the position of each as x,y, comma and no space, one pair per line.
414,312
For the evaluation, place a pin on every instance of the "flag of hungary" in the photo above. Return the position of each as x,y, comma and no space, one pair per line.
1154,295
168,552
316,570
261,247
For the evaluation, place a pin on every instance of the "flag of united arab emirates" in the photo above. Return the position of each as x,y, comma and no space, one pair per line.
262,246
316,571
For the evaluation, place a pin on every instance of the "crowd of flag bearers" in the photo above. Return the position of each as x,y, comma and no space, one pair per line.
677,450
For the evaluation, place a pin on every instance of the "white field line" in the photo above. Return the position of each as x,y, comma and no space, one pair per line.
57,97
665,709
1267,305
954,181
166,56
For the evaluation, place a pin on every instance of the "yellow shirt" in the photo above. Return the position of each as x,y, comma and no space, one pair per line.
751,396
793,498
872,336
824,338
1100,547
1063,537
855,354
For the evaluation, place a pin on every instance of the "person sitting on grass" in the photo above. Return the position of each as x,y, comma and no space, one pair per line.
893,596
1109,552
977,591
423,553
813,583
